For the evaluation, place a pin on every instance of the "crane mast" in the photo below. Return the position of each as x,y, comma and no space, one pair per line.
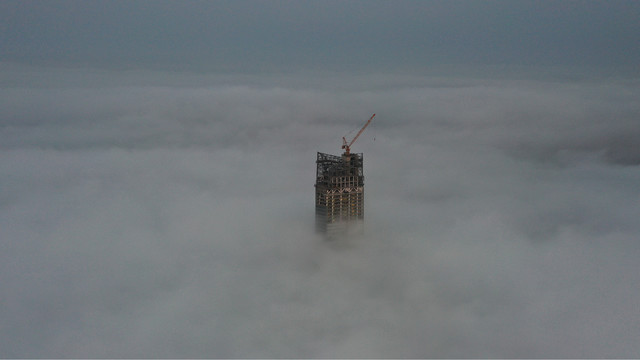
347,146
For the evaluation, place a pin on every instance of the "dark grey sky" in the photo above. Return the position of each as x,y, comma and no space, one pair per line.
285,35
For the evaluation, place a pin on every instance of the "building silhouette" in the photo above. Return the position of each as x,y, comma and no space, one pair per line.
339,193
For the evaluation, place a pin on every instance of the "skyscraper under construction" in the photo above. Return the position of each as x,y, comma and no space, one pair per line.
340,189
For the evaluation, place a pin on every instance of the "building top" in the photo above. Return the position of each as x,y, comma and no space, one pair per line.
331,166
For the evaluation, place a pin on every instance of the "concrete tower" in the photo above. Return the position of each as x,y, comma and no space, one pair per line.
339,193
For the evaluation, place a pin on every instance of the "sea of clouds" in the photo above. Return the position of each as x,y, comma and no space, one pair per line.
158,214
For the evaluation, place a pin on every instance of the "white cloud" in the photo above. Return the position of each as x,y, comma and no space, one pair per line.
159,219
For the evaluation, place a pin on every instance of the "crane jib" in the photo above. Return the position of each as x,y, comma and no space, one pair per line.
347,147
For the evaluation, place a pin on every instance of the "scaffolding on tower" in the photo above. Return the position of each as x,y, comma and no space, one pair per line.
340,189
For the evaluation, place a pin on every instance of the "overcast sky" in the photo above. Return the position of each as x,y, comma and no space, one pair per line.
283,35
157,162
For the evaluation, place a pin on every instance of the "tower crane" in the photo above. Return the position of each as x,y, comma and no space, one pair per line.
347,146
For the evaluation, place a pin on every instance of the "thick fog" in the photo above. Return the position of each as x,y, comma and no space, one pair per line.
147,214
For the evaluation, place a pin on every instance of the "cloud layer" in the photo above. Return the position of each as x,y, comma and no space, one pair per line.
171,215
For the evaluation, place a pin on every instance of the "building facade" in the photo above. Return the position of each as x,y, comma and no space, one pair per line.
339,193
